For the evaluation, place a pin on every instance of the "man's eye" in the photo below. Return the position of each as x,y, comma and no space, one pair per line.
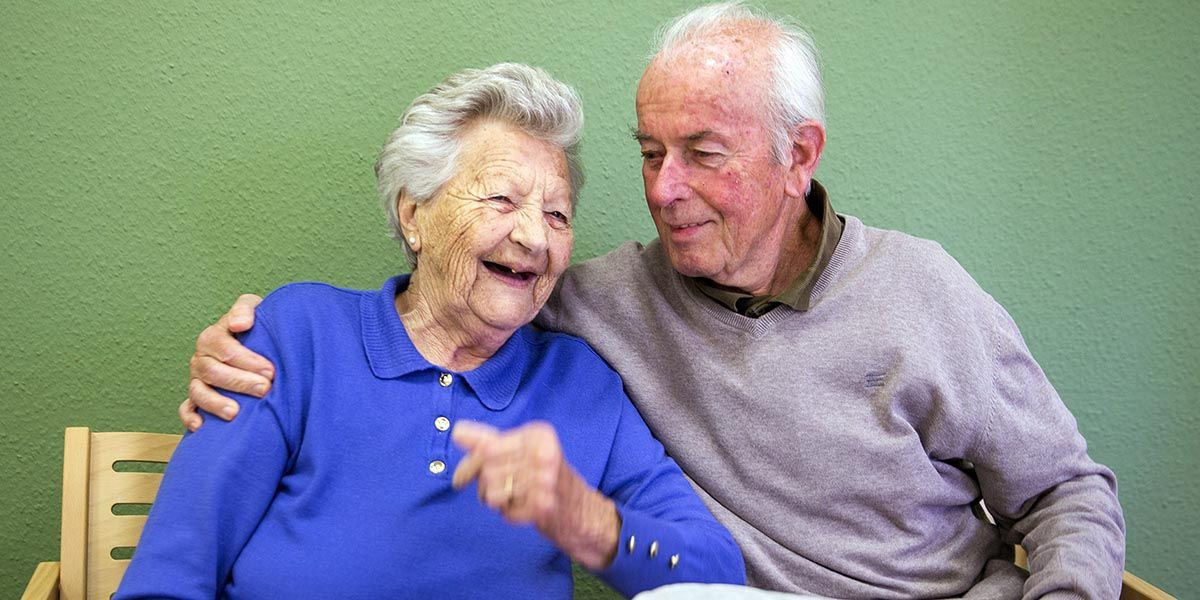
705,155
651,155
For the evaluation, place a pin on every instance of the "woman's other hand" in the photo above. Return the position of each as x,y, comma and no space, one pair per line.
522,474
221,361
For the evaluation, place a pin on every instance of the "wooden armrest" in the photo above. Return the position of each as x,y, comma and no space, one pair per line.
44,583
1132,586
1136,588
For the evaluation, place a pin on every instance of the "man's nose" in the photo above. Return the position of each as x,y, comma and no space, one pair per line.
529,230
669,183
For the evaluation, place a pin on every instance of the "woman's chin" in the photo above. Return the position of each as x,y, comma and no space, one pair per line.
504,313
508,322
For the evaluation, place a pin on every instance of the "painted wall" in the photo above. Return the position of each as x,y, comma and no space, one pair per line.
159,158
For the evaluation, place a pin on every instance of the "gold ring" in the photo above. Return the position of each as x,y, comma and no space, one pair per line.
508,488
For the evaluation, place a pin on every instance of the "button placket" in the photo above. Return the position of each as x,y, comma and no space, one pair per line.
440,423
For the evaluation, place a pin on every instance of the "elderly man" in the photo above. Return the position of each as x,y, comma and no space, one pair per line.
842,397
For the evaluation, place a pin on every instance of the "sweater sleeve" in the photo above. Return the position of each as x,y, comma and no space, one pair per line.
215,491
1039,482
667,534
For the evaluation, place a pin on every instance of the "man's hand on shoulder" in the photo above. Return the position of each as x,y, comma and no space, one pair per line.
221,361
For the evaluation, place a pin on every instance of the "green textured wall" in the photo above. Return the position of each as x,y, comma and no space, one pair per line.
158,158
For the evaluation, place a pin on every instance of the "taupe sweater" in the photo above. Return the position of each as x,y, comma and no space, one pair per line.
837,443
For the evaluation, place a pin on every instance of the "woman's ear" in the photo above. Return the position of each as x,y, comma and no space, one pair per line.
406,210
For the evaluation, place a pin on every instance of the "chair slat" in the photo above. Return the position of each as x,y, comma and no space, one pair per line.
113,446
117,531
110,487
104,575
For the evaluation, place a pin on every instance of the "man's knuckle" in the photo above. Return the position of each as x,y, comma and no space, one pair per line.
204,340
203,370
226,352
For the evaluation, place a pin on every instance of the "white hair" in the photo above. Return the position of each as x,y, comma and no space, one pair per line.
422,154
796,92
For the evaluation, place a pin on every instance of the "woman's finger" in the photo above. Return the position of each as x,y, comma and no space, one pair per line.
467,470
469,435
498,489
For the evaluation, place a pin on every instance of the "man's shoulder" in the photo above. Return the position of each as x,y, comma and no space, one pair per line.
620,265
903,258
597,289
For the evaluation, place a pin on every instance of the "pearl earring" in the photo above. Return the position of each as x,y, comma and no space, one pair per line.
412,239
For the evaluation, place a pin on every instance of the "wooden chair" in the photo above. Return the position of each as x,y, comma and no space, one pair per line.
1132,586
96,486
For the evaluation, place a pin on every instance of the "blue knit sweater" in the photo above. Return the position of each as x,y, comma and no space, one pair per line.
337,484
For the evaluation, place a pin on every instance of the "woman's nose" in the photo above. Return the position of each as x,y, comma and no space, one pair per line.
530,230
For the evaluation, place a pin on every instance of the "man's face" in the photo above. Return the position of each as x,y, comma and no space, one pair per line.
717,195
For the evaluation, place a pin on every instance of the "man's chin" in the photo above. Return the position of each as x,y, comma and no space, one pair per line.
688,265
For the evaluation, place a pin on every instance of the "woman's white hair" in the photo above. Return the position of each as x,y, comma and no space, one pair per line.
796,93
422,154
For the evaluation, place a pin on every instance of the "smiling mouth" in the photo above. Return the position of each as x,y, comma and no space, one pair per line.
508,272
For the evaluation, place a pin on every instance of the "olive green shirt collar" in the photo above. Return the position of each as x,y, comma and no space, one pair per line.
798,294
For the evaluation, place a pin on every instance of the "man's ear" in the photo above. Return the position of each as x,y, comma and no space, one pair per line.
808,141
406,211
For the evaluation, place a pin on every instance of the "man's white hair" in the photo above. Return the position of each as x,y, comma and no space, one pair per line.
796,91
422,154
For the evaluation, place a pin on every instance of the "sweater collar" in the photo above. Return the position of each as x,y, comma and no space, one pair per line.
392,354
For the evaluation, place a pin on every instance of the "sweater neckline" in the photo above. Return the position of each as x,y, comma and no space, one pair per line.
690,294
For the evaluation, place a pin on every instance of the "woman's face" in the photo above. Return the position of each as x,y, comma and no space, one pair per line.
493,242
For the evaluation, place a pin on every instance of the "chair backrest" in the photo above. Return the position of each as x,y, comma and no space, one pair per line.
104,476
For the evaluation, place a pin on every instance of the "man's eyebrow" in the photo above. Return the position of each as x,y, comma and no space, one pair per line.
642,136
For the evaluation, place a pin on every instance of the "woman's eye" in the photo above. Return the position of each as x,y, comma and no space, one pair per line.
558,220
501,201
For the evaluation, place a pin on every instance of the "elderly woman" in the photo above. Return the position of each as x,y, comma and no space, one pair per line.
343,482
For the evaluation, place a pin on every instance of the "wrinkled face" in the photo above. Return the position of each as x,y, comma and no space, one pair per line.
495,239
715,192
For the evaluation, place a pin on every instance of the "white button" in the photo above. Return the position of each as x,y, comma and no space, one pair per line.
653,548
442,423
437,467
445,379
674,560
